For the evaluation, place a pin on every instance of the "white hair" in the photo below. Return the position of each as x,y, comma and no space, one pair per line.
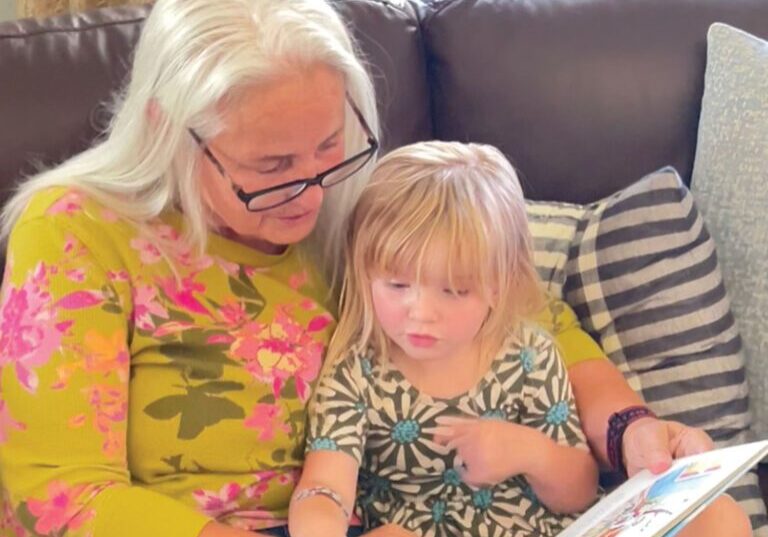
192,59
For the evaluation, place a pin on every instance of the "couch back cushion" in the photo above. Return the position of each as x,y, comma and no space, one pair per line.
58,73
583,96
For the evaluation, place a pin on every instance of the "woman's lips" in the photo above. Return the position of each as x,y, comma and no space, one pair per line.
289,219
421,340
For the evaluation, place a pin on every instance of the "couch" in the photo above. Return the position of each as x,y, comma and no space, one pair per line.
584,96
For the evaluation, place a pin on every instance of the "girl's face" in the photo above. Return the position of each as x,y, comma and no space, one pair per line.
427,319
291,128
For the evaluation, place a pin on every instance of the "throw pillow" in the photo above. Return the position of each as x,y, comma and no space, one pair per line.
553,226
644,280
730,183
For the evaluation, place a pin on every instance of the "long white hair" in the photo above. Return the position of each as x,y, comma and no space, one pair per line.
191,60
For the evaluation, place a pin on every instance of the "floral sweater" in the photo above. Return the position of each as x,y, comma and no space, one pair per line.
142,400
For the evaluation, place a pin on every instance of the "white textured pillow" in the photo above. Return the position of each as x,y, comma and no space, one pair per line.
730,183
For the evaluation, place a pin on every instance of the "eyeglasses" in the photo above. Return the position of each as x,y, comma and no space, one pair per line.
274,196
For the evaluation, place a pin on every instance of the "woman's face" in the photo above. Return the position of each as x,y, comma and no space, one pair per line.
291,128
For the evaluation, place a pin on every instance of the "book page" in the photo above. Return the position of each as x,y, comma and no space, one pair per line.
650,506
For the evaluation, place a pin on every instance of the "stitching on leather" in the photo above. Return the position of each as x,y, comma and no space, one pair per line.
71,30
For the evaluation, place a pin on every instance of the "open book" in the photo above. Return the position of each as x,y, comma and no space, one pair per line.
659,505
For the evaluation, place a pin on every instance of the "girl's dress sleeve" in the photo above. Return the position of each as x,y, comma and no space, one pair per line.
548,402
338,415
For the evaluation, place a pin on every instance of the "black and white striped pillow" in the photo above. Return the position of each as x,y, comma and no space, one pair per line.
553,227
642,276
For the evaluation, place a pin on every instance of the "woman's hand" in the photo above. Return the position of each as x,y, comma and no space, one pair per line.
491,450
653,443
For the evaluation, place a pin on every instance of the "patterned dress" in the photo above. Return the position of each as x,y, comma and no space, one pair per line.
369,410
143,399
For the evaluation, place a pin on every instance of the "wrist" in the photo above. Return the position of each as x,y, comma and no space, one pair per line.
618,424
545,451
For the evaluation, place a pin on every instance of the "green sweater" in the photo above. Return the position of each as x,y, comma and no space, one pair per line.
142,397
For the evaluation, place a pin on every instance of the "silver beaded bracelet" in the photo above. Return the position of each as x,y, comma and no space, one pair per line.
334,496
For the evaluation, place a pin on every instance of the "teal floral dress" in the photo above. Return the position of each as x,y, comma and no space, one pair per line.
368,410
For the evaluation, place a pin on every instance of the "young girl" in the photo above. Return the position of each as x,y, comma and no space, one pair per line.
442,410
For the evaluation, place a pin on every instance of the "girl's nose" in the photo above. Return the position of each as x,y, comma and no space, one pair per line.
423,306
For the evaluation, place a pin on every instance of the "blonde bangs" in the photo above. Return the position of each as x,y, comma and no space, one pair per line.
427,227
447,210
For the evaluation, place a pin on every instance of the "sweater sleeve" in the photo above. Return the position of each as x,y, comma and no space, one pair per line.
64,374
574,343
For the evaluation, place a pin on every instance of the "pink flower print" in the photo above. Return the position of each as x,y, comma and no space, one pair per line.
319,323
111,406
289,477
29,332
77,421
7,422
145,305
308,304
80,299
182,294
233,269
261,483
61,510
76,275
148,252
9,522
173,327
196,262
219,339
297,280
281,350
118,276
69,244
166,233
233,313
266,418
217,504
69,204
253,271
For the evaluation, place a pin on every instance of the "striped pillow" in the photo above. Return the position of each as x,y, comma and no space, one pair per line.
553,227
643,278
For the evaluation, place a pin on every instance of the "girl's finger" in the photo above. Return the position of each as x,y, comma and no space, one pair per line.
454,421
441,435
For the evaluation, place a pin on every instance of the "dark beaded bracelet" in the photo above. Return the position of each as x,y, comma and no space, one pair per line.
617,425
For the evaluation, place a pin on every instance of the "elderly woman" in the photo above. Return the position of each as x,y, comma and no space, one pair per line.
168,293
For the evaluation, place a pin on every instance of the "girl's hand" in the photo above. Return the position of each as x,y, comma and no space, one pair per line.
491,450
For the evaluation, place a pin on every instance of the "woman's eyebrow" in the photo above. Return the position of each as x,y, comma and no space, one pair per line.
274,159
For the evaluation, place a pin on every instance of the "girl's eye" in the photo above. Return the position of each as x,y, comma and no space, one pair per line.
397,285
456,292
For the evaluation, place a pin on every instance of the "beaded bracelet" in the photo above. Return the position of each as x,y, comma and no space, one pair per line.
334,496
617,425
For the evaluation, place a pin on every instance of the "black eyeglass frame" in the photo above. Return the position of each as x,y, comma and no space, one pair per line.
247,197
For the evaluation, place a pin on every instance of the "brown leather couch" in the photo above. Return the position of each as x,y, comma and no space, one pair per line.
585,96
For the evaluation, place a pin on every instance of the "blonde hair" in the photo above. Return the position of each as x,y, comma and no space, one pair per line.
193,59
464,197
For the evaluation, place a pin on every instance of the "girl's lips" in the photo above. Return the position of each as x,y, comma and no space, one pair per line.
421,340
